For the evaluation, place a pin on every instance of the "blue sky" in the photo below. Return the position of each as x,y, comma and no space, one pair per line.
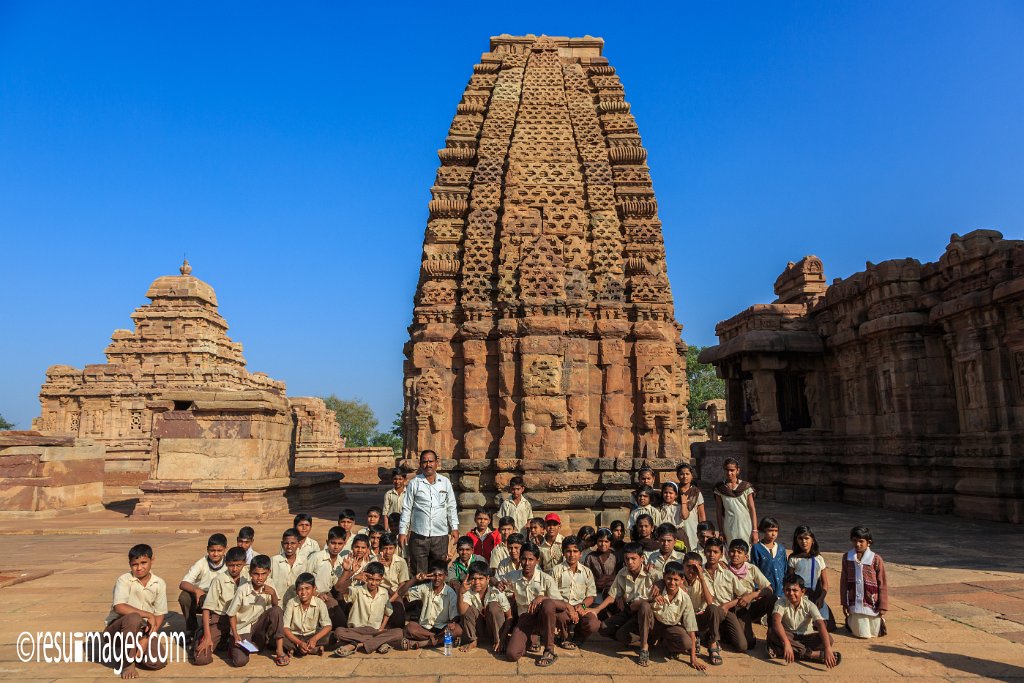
289,148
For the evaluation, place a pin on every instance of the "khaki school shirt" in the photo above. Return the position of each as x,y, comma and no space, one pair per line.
393,503
248,605
307,548
677,611
283,576
499,553
521,513
629,588
696,592
222,590
754,580
575,586
128,590
395,574
438,608
800,619
659,561
319,565
551,553
504,568
201,575
724,585
306,622
526,590
365,610
492,594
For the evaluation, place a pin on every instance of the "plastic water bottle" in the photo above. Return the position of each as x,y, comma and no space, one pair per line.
447,642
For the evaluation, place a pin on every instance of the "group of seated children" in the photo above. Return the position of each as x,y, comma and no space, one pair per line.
522,586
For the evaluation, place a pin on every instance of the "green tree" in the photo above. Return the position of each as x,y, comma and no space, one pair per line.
704,386
4,424
356,420
389,440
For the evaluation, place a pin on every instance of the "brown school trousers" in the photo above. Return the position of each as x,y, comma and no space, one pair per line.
416,631
709,624
638,617
801,643
588,625
220,632
542,622
675,638
133,623
758,609
265,633
190,608
489,622
370,638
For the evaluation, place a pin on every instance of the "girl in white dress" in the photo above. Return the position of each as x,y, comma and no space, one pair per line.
691,506
737,516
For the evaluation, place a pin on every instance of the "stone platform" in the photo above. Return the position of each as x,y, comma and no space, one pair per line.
957,608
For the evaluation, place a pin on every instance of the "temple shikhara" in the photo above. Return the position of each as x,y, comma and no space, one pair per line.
544,340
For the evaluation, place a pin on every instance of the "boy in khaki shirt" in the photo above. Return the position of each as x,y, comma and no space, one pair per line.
674,622
578,588
539,603
396,572
709,616
484,609
630,592
197,582
216,623
757,597
306,621
551,545
368,613
793,624
325,565
138,607
727,591
255,615
440,608
286,567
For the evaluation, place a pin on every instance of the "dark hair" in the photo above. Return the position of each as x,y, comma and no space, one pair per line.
792,579
530,548
705,526
260,562
395,520
217,539
739,543
643,490
684,466
861,533
235,554
586,535
634,533
302,517
361,538
602,533
644,467
506,521
570,540
397,472
730,461
336,532
290,532
479,568
634,548
674,568
305,578
387,539
140,550
347,513
535,520
481,511
693,557
465,540
374,508
618,523
768,523
516,481
437,565
665,528
714,542
374,568
375,529
246,533
515,538
423,454
800,531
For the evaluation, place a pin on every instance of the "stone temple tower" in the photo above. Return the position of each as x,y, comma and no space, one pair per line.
544,341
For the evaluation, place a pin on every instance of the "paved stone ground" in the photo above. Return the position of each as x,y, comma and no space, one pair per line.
957,603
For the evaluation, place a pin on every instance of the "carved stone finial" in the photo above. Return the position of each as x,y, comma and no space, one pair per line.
185,269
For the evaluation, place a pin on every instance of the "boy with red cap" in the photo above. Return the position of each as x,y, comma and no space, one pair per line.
551,546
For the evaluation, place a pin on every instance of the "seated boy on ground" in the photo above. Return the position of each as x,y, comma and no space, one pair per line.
797,629
440,608
484,609
539,603
675,624
709,616
369,609
630,592
758,596
197,582
464,556
306,622
216,623
325,565
139,608
576,584
256,616
727,591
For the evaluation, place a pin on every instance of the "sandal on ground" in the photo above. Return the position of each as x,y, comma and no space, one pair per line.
568,645
344,651
410,644
645,658
770,651
715,655
282,660
383,649
547,659
535,649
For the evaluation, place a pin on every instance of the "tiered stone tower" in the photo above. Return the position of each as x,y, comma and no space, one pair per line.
544,338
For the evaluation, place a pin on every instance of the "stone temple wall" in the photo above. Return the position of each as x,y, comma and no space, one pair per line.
544,339
900,387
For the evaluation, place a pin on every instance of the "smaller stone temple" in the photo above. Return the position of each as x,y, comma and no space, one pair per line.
900,387
185,426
